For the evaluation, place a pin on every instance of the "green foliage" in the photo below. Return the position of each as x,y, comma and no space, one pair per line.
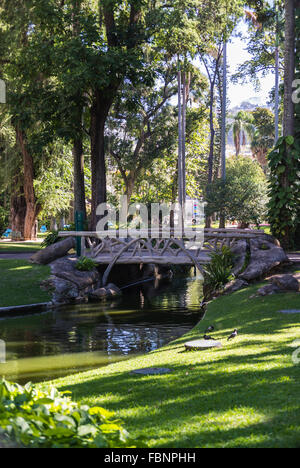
262,42
243,196
48,419
284,185
85,264
264,133
218,272
242,125
50,239
4,220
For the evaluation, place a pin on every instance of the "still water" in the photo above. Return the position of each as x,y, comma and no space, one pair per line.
65,341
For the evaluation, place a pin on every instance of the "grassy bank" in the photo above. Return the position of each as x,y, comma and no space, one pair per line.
20,283
19,247
245,394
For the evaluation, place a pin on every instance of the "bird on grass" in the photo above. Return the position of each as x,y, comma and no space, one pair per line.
210,329
233,335
207,338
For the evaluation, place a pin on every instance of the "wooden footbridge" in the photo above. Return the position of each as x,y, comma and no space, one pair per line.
151,248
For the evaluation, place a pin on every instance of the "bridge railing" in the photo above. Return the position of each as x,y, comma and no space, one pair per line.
95,243
164,234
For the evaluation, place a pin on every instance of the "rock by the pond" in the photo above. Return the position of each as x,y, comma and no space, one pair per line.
53,252
286,282
69,285
279,284
235,285
267,290
98,294
152,371
265,255
113,290
239,251
200,345
110,291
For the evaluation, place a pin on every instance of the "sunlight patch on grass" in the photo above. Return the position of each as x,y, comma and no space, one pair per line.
245,394
20,283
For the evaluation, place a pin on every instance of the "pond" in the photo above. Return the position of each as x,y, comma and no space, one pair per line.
72,339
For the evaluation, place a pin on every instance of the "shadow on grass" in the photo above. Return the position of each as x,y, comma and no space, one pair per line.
245,394
202,404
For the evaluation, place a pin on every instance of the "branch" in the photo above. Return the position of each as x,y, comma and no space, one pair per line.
119,163
110,26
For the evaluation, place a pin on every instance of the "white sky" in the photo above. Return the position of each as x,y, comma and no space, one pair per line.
237,93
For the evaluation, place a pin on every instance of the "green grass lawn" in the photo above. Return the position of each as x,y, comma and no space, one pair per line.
20,283
245,394
19,247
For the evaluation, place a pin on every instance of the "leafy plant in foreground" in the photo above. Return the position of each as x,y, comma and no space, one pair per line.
49,419
218,272
50,239
85,264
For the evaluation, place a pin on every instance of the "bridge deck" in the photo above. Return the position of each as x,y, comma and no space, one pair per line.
128,259
157,250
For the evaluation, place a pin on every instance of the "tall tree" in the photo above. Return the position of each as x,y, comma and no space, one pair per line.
289,68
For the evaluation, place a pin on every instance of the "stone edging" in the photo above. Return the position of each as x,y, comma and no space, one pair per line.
25,309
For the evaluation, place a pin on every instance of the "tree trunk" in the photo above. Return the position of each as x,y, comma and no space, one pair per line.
289,68
277,77
79,188
223,129
99,112
17,210
78,157
32,207
130,182
289,107
208,219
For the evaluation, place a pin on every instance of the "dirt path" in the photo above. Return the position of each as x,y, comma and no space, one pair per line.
16,256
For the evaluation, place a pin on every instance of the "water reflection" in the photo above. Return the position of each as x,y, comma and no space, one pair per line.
61,342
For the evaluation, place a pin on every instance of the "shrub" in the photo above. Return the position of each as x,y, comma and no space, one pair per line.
85,264
49,419
243,197
218,272
50,239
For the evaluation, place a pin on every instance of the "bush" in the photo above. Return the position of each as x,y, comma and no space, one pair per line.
218,272
50,239
48,419
85,264
243,197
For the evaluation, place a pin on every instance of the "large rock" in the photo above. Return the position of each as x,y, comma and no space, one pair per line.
69,285
239,251
113,290
53,252
110,291
267,290
286,282
279,284
98,294
235,285
265,256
